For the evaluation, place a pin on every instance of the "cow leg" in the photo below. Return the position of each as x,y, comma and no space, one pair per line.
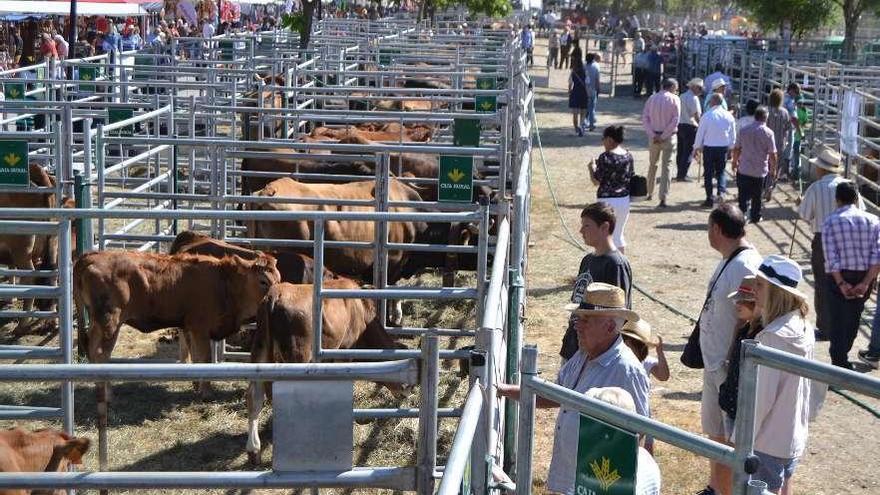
395,312
255,398
184,348
200,350
23,261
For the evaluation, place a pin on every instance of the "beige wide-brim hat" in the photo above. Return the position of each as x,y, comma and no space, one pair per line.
602,299
717,83
641,331
829,160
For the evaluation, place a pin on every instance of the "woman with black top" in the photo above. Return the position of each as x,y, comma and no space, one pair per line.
577,90
612,172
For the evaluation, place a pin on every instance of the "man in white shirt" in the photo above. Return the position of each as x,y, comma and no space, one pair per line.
688,121
603,360
727,231
716,134
818,202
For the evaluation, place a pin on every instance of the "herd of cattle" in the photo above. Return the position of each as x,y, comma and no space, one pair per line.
235,285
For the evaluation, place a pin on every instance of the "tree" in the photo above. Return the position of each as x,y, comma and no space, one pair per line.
852,12
803,15
491,8
301,22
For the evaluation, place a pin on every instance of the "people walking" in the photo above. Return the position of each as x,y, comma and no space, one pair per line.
660,120
654,71
565,44
779,121
713,85
782,405
611,172
591,67
851,244
605,264
816,205
688,120
641,64
578,95
528,44
718,322
716,134
553,47
754,159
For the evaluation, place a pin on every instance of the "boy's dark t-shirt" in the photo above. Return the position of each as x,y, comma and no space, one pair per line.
611,268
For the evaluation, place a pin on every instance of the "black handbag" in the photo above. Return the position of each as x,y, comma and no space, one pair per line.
638,188
692,355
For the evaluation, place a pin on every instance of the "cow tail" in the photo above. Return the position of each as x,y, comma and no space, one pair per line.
82,334
261,346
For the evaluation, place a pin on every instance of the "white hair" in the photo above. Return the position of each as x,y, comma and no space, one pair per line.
615,396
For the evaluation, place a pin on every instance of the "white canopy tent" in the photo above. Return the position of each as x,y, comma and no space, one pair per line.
63,8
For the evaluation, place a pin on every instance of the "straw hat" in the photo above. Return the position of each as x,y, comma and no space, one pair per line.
746,291
639,330
603,300
695,83
783,273
717,83
828,160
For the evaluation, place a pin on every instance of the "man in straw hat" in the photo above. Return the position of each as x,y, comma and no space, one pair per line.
816,205
851,243
603,360
688,119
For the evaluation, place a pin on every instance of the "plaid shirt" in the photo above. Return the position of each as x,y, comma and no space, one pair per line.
851,240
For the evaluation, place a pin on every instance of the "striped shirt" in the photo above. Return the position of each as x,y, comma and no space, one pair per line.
779,122
660,117
819,201
756,144
616,367
851,240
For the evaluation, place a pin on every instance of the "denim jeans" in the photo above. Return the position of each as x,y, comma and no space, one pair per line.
715,160
591,108
845,315
686,135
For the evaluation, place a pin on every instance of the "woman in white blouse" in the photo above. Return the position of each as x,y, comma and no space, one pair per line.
783,400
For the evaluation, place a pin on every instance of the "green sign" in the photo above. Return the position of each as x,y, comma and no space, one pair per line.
87,74
485,104
385,56
141,69
487,82
466,132
456,179
119,114
14,163
226,49
606,459
13,91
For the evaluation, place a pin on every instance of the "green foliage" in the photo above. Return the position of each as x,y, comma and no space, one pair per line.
294,21
805,15
491,8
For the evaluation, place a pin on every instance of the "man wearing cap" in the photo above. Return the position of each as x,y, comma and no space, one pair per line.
816,205
717,321
712,84
851,242
688,119
754,159
660,120
716,134
603,360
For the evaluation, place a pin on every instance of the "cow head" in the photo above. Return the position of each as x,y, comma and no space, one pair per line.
443,233
253,279
67,450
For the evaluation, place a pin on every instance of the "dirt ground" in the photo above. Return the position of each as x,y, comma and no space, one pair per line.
671,259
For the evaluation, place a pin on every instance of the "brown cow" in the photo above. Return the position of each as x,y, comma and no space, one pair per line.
249,184
45,450
285,333
294,268
23,250
208,298
392,132
270,99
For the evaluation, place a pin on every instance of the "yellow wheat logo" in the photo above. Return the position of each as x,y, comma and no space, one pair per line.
603,472
14,92
11,159
485,84
456,175
486,105
86,77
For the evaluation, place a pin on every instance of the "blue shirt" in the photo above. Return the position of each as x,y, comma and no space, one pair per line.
655,62
616,367
528,38
593,76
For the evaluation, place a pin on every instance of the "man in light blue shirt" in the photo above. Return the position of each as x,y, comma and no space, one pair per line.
593,86
603,360
528,43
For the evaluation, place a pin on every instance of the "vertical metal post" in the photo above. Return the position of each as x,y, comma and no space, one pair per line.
526,421
83,225
745,419
428,404
514,343
65,316
484,374
172,157
380,256
192,154
99,165
318,287
482,258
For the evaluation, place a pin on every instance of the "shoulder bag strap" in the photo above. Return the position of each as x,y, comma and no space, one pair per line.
714,282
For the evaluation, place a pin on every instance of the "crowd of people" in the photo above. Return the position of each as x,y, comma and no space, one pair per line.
606,348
